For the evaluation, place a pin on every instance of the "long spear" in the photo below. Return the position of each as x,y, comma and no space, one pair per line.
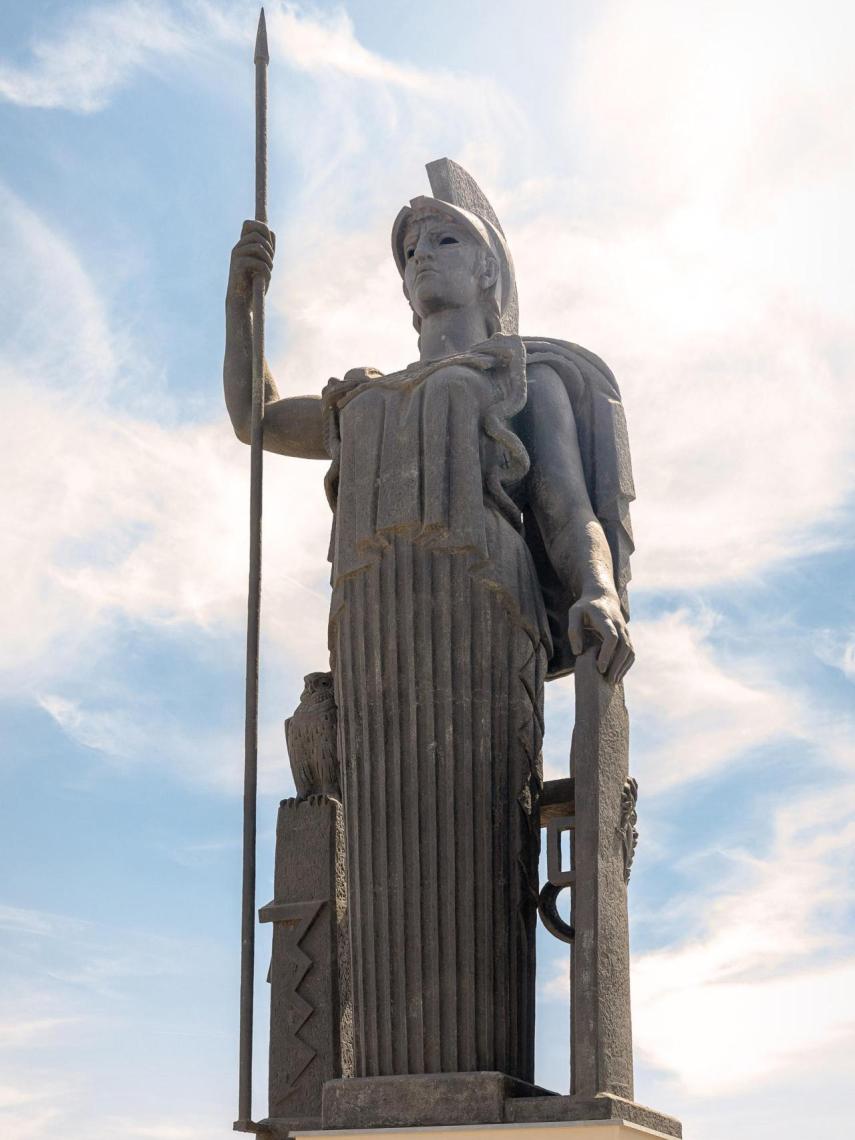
244,1121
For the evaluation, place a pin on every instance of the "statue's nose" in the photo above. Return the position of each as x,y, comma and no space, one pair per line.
423,251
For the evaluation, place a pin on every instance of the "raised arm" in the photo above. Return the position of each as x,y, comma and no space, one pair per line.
574,538
292,426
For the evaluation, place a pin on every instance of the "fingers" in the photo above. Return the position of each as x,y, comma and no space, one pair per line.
252,256
250,269
257,245
253,251
623,658
576,631
606,630
251,226
615,654
252,265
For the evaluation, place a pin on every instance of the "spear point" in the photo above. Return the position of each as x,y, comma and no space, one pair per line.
262,55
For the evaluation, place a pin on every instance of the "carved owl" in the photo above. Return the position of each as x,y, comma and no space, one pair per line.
311,735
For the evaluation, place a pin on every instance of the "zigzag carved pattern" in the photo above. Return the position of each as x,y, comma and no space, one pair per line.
298,918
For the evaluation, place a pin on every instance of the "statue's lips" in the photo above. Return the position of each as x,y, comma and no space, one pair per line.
427,269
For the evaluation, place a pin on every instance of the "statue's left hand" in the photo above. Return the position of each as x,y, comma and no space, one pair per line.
601,613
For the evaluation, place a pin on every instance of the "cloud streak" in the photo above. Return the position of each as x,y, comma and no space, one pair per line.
87,59
759,984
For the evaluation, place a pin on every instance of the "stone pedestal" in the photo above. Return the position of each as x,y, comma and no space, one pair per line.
453,1100
573,1130
309,999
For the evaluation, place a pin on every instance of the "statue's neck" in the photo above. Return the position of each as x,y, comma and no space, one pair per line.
451,331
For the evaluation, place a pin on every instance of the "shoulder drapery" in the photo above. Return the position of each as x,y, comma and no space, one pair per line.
604,445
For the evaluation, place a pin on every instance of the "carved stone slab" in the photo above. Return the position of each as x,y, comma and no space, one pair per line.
422,1100
553,1109
600,1022
306,1005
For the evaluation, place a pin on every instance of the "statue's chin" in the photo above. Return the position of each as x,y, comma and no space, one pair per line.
430,296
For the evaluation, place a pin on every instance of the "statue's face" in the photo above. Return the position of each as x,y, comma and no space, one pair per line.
444,266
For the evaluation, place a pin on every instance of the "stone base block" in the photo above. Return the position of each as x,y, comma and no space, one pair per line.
424,1100
559,1109
283,1127
566,1130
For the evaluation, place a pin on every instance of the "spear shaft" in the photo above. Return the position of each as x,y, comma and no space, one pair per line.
250,783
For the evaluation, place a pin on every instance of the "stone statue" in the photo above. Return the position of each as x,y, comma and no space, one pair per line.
311,734
480,545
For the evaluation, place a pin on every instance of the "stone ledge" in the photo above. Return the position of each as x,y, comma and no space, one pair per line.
283,1127
545,1130
423,1100
448,1100
558,1109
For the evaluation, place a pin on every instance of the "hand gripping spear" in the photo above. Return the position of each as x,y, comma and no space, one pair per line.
244,1122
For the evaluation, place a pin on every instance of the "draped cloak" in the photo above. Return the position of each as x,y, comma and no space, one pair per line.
445,620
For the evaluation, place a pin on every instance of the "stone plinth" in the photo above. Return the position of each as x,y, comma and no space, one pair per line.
308,1000
573,1130
446,1101
423,1100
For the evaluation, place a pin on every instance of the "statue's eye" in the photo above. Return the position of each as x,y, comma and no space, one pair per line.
449,240
411,252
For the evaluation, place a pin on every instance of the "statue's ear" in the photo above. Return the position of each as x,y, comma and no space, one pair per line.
490,271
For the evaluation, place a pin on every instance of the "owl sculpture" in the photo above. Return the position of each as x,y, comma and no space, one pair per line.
311,738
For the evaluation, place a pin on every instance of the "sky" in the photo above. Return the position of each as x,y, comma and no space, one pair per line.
675,181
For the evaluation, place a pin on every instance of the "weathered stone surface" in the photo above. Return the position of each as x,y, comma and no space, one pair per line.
307,1009
601,1028
419,1101
557,799
550,1109
451,1099
602,1129
284,1127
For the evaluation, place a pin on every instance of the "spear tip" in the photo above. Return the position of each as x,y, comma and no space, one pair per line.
262,55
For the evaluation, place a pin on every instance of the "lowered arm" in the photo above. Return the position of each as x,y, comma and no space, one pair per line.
574,539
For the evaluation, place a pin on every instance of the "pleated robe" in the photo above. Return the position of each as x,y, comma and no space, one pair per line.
439,644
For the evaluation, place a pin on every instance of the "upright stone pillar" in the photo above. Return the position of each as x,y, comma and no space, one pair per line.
310,1035
601,1027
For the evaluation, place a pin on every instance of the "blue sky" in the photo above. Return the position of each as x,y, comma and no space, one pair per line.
676,184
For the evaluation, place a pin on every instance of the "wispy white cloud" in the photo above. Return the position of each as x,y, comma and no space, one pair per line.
21,1032
82,63
703,246
127,732
768,954
31,1105
760,985
24,920
111,515
837,648
697,713
76,989
163,1130
322,41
